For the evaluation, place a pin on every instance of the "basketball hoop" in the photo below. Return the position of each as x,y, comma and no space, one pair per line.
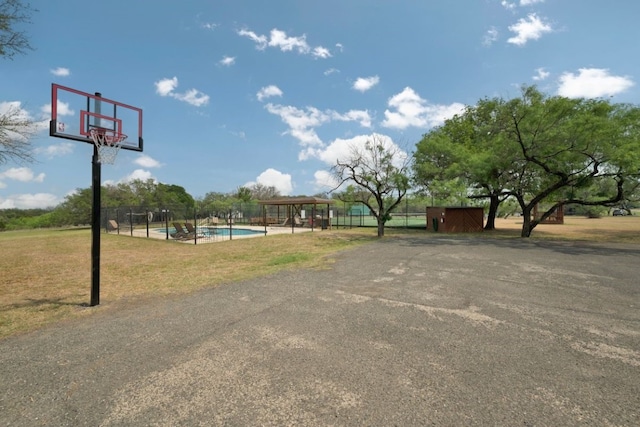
108,142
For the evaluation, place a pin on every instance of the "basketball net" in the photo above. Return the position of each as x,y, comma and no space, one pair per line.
108,142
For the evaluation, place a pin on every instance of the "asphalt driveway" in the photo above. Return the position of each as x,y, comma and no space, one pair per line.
408,331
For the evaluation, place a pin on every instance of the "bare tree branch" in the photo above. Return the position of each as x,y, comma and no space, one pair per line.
16,130
380,172
12,40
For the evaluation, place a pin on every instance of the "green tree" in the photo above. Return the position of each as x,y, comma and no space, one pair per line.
216,203
379,171
467,155
167,194
263,192
244,194
76,208
541,150
566,145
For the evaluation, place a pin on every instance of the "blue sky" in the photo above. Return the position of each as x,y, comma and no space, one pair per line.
239,92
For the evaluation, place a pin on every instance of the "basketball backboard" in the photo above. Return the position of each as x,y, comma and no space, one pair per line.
75,113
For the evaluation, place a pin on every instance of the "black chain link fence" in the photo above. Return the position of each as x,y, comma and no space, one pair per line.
205,224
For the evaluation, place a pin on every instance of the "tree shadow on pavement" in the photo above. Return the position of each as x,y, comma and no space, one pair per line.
564,247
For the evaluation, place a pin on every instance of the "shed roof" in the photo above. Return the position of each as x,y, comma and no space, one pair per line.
297,201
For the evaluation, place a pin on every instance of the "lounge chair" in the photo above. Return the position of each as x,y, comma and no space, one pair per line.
112,225
287,221
181,233
191,231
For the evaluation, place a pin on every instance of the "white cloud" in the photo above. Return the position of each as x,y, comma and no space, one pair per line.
193,97
511,6
302,123
209,26
166,87
321,52
19,127
361,116
147,161
531,28
25,125
227,61
341,149
15,107
15,111
592,83
261,41
63,109
60,72
138,174
363,84
274,178
268,92
29,201
490,36
331,71
56,150
541,74
409,109
22,174
508,5
324,180
339,46
280,40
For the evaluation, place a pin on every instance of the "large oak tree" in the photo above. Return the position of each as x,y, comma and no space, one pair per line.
542,150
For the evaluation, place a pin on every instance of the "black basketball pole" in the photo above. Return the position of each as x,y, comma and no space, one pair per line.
95,222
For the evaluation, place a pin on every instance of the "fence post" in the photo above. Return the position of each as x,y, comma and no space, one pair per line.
195,225
166,222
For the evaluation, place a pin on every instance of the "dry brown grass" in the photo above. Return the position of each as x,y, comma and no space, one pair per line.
618,229
46,275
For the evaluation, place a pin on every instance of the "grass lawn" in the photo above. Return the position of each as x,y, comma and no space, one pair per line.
614,229
46,275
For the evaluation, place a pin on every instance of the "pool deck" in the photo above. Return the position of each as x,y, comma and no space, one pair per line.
271,230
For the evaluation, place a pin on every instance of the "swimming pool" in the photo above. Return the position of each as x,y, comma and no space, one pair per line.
217,231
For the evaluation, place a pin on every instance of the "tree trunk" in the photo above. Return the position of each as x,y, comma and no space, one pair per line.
526,222
380,227
494,201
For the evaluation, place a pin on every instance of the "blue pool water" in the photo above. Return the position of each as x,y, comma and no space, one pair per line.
218,231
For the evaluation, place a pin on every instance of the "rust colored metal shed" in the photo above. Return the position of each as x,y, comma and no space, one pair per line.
455,219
